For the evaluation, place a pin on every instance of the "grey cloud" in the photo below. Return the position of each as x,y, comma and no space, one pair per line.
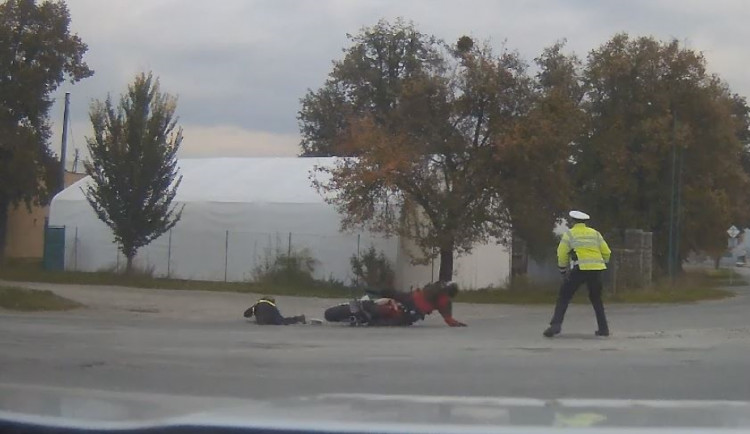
246,63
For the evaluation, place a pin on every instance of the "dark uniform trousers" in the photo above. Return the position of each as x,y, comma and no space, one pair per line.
575,278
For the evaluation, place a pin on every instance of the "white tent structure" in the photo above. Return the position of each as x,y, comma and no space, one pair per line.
240,213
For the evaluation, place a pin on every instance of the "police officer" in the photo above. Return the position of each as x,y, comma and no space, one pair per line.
582,255
266,313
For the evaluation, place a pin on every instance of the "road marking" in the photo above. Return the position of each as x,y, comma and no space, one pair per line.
533,402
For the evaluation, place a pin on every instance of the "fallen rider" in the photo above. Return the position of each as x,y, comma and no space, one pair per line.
436,296
266,313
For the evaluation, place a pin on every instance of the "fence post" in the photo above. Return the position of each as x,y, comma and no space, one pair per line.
226,254
641,274
289,247
75,251
614,276
356,277
169,256
255,258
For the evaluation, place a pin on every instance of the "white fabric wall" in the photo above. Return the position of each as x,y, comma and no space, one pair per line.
199,247
259,201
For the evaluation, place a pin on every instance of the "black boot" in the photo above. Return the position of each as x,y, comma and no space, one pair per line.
300,319
602,333
552,330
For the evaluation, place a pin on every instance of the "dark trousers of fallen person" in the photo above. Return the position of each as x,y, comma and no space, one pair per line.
266,313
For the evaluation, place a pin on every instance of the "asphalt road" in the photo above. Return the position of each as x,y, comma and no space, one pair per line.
695,351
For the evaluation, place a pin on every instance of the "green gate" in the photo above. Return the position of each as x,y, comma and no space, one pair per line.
54,248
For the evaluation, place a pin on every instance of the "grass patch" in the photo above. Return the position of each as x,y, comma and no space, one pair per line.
29,300
675,295
33,272
693,285
719,277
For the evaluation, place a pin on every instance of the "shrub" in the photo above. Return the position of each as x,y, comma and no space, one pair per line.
293,267
373,269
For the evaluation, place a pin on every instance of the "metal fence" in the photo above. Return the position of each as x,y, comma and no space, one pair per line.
632,260
629,267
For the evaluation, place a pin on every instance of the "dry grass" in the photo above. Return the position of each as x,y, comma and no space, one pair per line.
691,286
33,272
29,300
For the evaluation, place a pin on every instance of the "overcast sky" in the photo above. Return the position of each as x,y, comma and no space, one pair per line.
239,67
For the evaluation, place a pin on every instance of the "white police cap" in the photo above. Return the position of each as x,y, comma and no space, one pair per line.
578,215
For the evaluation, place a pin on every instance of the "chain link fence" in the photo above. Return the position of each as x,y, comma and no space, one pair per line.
631,265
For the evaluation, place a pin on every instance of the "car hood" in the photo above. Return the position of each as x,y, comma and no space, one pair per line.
94,409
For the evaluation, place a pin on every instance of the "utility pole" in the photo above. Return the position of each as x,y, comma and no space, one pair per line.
64,145
672,205
678,207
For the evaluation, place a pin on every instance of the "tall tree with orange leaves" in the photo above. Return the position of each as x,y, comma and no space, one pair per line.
432,134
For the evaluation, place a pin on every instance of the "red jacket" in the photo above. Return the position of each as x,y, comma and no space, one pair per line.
441,302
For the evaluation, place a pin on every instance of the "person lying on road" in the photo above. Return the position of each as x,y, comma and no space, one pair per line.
434,296
266,313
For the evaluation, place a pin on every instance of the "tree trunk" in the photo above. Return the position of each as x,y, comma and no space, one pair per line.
129,265
3,228
446,265
717,261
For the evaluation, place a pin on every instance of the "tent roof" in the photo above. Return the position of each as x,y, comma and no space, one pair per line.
260,180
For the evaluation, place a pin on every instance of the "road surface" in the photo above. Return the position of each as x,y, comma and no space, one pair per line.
197,343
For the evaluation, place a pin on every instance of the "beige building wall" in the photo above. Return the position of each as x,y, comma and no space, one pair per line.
25,229
25,232
487,266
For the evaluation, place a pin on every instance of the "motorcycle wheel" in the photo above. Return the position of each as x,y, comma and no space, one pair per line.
338,313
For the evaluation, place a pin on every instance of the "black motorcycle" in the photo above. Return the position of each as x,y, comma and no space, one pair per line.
371,311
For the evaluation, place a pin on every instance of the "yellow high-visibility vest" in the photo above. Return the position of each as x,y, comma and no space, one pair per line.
589,246
262,301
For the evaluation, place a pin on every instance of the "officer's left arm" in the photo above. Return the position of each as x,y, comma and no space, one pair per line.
604,248
563,253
